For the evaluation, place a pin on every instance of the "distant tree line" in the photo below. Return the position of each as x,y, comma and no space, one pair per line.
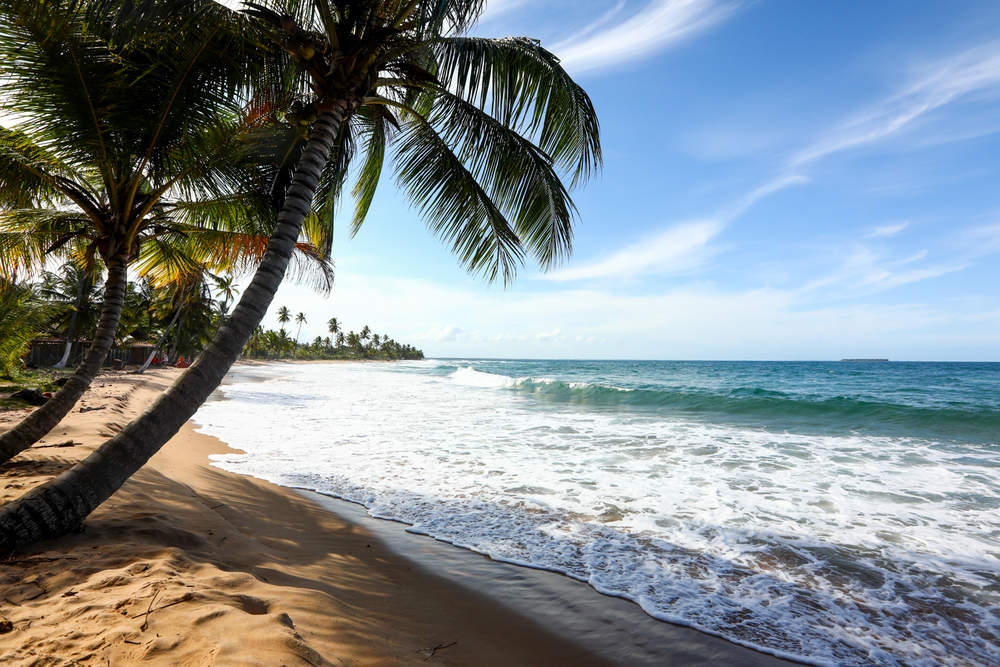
271,344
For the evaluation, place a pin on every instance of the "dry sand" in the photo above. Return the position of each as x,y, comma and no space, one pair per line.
191,565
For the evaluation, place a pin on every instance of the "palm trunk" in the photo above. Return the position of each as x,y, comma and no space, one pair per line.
71,331
44,419
61,505
172,355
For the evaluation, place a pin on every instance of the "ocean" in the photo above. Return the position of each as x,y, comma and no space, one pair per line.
831,512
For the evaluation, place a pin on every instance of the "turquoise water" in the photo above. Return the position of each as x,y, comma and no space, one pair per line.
957,402
833,512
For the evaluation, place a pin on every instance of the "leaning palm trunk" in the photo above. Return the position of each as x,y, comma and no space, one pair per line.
45,418
71,331
172,355
61,505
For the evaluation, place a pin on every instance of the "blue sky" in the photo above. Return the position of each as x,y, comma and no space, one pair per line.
783,180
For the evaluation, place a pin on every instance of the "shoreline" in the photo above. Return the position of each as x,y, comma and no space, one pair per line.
611,627
239,570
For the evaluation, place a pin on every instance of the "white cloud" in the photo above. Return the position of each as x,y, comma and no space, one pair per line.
660,24
677,249
548,335
865,272
974,70
444,334
888,231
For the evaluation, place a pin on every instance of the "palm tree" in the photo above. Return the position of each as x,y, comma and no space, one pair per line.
333,326
256,338
119,138
74,288
480,129
225,287
300,319
284,315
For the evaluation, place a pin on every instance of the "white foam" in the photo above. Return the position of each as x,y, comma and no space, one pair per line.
848,549
470,377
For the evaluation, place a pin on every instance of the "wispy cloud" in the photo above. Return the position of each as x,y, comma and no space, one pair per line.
887,231
866,272
972,71
983,240
677,249
657,26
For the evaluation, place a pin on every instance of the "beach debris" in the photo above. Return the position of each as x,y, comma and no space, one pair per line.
145,622
68,443
5,626
32,396
432,651
86,409
149,610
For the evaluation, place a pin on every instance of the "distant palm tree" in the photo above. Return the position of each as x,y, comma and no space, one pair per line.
300,319
480,131
225,287
333,325
284,315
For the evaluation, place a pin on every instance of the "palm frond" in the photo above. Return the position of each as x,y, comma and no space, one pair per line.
456,207
523,85
28,237
518,176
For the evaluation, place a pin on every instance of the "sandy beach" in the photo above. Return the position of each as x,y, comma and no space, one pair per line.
192,565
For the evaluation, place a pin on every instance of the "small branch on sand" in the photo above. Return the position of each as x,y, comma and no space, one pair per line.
145,622
68,443
184,598
439,647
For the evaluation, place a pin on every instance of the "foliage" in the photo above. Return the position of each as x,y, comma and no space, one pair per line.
23,316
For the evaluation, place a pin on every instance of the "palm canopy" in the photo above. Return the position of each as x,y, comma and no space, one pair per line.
133,141
116,117
480,131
